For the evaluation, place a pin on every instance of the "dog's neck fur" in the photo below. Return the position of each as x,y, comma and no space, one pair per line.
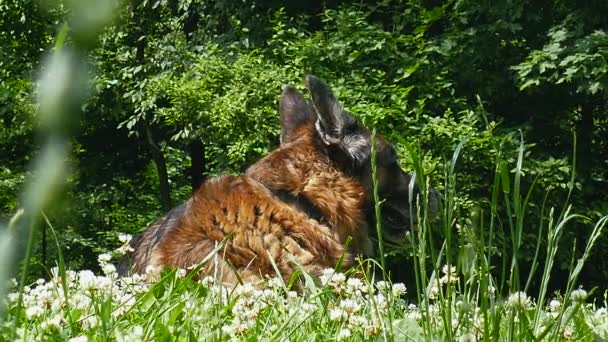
316,185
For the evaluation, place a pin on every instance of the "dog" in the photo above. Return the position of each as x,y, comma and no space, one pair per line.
307,206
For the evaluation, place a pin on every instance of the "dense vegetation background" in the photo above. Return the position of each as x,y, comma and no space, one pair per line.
187,89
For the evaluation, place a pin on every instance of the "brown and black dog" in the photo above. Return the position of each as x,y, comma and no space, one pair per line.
297,207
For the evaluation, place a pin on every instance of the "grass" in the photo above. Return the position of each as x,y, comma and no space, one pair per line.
470,302
483,297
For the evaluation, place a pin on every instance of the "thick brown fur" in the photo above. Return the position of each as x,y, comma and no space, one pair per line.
297,207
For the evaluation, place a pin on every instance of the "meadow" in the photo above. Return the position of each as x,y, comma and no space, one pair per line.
105,107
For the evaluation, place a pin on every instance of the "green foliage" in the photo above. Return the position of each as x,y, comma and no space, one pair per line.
427,76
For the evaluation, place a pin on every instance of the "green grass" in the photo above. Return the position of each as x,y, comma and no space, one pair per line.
479,299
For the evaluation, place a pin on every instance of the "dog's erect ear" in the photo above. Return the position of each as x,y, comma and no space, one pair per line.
294,110
331,117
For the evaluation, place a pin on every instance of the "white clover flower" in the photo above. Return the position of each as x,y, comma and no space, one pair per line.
380,301
468,337
383,285
326,274
275,283
125,238
52,322
356,321
332,279
449,275
336,314
448,268
308,308
433,291
108,269
181,273
79,339
126,244
33,311
519,300
245,290
137,331
601,312
208,281
555,305
105,283
228,329
491,290
355,286
343,334
350,306
578,296
568,333
40,282
373,329
104,258
12,297
89,322
87,280
398,289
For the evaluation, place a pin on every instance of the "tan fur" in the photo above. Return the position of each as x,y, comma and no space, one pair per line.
297,207
241,212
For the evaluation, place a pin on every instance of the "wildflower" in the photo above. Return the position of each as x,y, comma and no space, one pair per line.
350,306
519,300
449,275
208,281
555,305
275,283
125,238
383,286
356,321
89,322
578,296
433,291
180,273
336,314
343,334
13,297
356,287
126,244
245,290
398,290
52,323
308,308
108,269
373,329
335,280
104,258
86,279
79,339
468,337
491,290
568,333
33,311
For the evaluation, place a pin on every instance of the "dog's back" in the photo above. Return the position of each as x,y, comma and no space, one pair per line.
297,207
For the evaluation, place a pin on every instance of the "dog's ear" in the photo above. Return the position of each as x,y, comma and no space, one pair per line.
331,118
294,111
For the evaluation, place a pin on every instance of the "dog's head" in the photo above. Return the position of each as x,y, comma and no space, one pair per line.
349,145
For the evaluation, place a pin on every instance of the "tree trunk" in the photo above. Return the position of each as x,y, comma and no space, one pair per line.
197,167
161,167
584,148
